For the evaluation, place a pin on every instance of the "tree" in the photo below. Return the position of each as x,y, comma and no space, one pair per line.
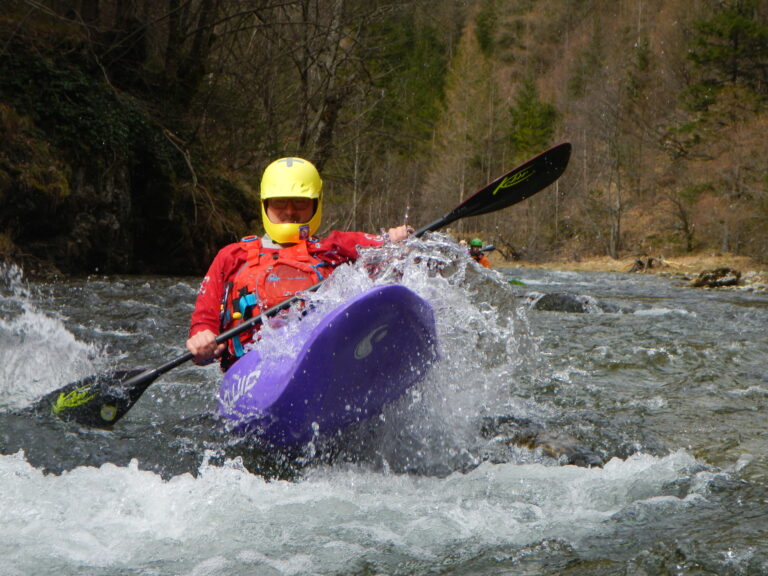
731,47
533,122
532,126
464,144
682,203
387,126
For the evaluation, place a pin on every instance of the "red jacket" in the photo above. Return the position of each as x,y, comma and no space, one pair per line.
338,248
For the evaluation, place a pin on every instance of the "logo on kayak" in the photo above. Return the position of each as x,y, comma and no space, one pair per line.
365,346
514,179
72,399
108,412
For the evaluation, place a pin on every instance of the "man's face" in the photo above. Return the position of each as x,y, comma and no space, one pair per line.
290,210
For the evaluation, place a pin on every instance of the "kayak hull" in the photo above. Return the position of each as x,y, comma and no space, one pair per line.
363,355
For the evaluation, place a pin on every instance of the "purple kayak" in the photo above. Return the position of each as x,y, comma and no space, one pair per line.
361,356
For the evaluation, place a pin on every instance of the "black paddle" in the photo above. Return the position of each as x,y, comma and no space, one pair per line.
101,400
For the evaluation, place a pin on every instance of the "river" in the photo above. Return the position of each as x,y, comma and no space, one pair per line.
667,384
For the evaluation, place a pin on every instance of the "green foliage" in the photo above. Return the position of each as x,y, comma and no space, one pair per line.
27,161
690,194
78,110
731,47
586,68
485,26
639,72
700,96
411,74
533,121
141,213
34,182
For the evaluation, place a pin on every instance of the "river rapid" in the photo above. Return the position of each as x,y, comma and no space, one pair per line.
666,384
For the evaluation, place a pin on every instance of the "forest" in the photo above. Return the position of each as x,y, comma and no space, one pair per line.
134,132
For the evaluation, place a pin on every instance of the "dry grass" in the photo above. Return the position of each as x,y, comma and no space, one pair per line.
688,265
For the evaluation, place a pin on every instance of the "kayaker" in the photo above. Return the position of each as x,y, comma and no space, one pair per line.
476,251
257,273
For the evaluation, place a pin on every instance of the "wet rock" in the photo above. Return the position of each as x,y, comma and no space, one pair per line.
561,302
566,450
565,302
534,436
717,278
584,458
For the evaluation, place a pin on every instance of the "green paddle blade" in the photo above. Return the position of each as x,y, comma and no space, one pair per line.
519,184
99,400
511,188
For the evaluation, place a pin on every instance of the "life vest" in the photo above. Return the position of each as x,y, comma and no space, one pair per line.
267,278
482,260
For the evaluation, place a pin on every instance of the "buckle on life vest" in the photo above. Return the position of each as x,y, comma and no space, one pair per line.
237,345
245,304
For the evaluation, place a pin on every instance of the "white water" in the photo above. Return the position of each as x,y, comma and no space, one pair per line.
113,520
36,349
517,512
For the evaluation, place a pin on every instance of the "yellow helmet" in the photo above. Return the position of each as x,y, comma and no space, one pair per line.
291,178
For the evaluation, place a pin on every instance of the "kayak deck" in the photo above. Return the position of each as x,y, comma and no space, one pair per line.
362,355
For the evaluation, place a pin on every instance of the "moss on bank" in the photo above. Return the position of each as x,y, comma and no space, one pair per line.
91,180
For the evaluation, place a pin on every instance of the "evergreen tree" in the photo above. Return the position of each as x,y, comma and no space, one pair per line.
730,48
485,26
533,121
465,149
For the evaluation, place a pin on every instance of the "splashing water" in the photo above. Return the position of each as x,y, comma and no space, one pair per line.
436,428
34,345
162,494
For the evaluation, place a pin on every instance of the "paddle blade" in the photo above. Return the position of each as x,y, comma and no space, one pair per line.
99,400
511,188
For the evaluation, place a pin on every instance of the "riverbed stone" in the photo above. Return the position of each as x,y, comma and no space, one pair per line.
717,278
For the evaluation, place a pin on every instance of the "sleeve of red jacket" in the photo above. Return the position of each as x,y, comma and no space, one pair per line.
340,247
208,304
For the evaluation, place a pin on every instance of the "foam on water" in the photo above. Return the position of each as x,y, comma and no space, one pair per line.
456,510
25,330
335,520
664,312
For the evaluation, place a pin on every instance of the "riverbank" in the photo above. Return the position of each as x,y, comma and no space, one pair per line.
687,267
